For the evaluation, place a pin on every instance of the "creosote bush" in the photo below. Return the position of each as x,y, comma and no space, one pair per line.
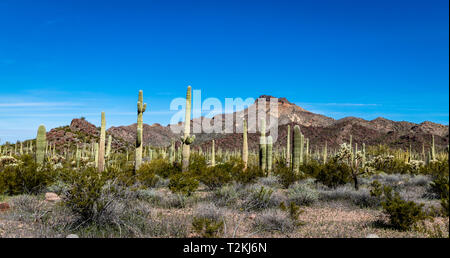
183,183
26,177
333,174
403,215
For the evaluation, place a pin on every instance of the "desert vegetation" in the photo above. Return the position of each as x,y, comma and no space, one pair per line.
93,190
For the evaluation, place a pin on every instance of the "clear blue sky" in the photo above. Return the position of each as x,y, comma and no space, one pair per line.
369,58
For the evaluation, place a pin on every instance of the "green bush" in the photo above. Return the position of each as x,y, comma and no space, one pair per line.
247,176
146,175
402,214
286,176
216,176
162,168
84,196
206,227
334,174
26,177
183,183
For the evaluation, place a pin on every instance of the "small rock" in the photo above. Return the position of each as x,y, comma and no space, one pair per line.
372,236
252,216
4,206
52,197
72,236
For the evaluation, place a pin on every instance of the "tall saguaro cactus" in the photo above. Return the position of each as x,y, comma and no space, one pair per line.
141,107
296,151
108,146
302,147
41,142
245,146
288,147
101,148
186,139
269,154
325,154
213,154
263,146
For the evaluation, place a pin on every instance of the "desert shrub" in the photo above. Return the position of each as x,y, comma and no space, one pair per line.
87,192
440,186
208,220
402,214
270,181
28,207
216,176
274,220
58,187
389,164
247,176
26,177
311,168
302,194
286,176
183,183
333,174
146,175
436,168
418,180
294,211
162,199
226,195
162,168
260,197
197,164
361,197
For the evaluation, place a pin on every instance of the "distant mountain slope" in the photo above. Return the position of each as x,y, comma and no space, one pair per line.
318,128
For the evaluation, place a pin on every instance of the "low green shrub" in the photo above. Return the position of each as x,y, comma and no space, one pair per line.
286,176
334,174
26,177
403,215
183,183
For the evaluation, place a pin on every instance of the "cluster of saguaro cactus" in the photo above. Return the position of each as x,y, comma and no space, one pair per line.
141,107
187,139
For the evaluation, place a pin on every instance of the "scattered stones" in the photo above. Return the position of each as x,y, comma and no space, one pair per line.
372,236
52,197
4,206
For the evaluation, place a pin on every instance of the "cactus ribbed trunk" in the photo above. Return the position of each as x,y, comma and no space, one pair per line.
296,151
302,147
141,107
101,149
213,154
263,146
108,146
187,139
96,154
245,146
288,146
269,154
41,142
325,154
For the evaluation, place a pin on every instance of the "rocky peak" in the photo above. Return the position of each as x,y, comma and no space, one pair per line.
81,125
